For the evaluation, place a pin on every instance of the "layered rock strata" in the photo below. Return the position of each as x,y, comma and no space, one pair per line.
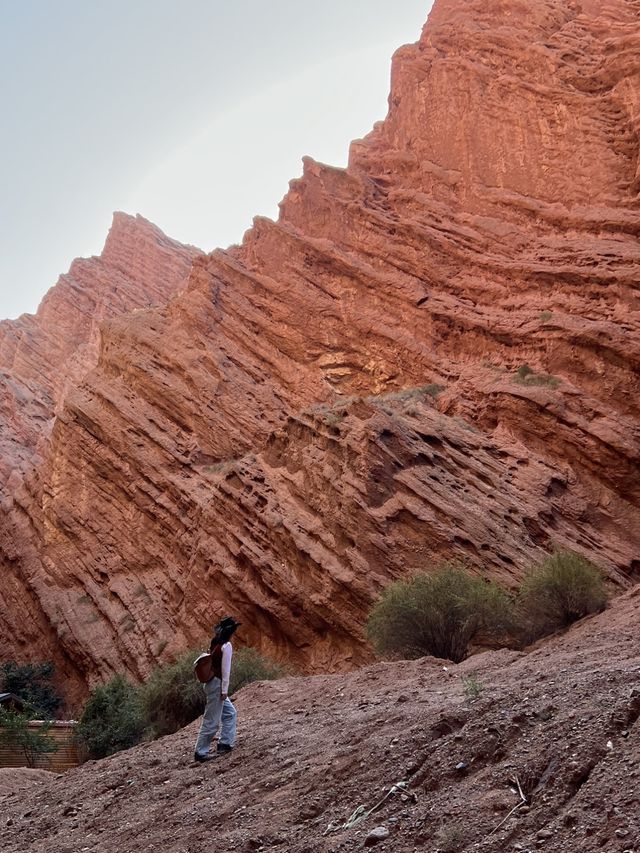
42,357
432,353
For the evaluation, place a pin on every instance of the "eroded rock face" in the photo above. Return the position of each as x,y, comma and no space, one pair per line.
432,353
42,357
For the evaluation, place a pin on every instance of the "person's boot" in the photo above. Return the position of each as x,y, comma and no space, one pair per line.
224,748
207,757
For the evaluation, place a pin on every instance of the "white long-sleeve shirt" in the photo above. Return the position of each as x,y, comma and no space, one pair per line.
227,653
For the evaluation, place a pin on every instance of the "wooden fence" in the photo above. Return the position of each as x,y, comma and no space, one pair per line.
69,753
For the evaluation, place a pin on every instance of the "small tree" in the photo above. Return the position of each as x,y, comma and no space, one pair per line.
560,590
32,682
34,743
112,718
438,614
172,697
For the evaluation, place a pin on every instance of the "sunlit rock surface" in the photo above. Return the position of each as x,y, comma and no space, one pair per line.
432,353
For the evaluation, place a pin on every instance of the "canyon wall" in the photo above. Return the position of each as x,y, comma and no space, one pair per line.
42,357
432,353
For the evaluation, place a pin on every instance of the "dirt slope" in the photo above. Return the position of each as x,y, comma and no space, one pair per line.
560,721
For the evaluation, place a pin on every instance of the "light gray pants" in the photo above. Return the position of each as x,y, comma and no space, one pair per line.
216,711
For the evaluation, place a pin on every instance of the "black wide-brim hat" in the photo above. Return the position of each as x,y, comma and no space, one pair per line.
227,624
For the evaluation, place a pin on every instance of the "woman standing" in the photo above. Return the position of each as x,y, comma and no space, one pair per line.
214,669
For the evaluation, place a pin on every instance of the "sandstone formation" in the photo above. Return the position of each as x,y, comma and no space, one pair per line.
431,353
42,357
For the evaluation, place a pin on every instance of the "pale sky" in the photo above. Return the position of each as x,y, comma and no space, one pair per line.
195,114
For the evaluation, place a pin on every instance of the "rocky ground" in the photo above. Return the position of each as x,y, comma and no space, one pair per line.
12,779
546,757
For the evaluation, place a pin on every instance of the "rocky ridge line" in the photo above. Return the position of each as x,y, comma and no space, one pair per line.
43,357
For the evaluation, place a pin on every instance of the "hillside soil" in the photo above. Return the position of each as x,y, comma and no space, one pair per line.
545,758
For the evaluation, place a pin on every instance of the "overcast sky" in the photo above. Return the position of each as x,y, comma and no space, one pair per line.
195,114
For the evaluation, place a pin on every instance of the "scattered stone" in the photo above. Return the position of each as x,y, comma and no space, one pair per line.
461,766
311,810
376,835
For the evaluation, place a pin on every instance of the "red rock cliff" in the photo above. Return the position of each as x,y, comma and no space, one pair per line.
42,357
433,352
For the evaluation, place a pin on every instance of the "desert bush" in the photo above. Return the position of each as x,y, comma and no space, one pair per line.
524,371
332,413
32,682
432,389
451,838
34,743
416,392
560,590
438,613
249,665
172,697
526,375
472,686
112,718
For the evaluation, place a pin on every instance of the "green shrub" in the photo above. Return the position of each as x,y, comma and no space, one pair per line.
438,614
333,418
472,687
526,375
331,413
523,371
34,743
32,682
112,718
172,697
432,389
562,589
451,838
249,665
416,392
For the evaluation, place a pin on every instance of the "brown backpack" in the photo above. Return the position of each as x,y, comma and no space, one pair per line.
209,665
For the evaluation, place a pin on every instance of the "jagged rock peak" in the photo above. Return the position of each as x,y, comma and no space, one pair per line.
128,232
